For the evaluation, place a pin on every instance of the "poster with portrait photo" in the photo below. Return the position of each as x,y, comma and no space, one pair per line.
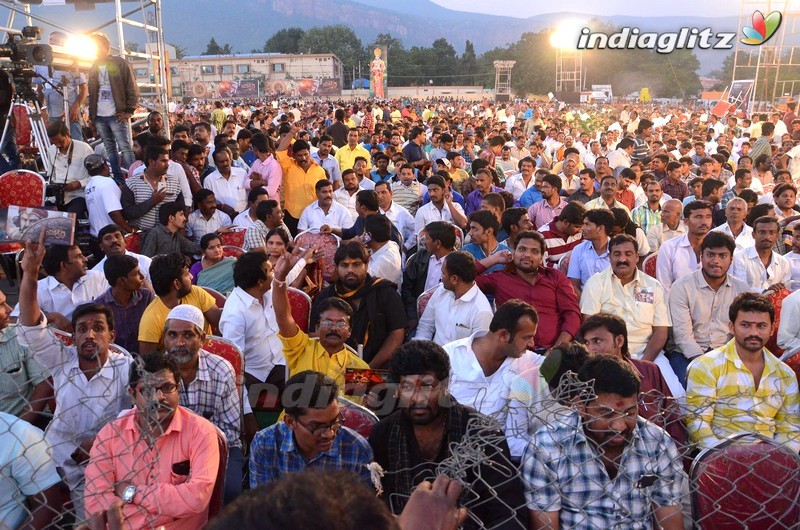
25,224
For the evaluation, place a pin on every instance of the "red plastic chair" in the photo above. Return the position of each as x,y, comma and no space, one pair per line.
230,352
300,306
21,188
793,362
747,481
777,298
327,243
234,238
423,299
133,242
218,494
649,264
231,251
219,298
356,417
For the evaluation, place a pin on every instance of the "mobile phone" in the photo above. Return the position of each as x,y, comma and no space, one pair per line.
162,186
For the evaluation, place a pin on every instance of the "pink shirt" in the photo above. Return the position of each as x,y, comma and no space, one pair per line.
270,170
177,501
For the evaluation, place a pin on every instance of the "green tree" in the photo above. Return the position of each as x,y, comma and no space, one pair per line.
468,65
214,48
180,51
132,47
342,42
286,40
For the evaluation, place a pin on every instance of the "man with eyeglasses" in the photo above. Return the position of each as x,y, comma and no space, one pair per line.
159,458
311,435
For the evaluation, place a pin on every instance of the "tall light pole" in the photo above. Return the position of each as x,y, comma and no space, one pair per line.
569,60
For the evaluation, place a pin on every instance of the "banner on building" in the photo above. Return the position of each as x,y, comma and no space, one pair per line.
323,87
244,88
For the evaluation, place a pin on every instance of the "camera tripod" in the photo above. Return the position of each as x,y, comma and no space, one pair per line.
38,128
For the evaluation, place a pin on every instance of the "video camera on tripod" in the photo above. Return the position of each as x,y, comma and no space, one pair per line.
25,51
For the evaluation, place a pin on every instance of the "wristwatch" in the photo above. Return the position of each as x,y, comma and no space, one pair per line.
128,493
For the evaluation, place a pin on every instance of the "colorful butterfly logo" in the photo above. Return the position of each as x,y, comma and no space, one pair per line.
762,29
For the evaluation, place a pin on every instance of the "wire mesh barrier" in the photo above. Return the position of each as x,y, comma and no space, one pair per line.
567,455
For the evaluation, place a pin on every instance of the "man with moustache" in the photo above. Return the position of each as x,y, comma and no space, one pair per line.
741,387
207,385
410,443
602,450
90,381
111,240
379,320
159,458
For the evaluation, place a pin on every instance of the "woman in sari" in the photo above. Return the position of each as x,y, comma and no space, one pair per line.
213,270
277,245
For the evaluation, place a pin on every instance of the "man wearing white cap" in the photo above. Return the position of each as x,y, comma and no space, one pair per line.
207,385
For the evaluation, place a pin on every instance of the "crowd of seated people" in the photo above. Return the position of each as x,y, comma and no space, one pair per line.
590,314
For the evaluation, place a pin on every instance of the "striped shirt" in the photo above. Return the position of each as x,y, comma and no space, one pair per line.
274,454
126,318
408,196
558,245
213,395
563,472
723,399
645,217
142,191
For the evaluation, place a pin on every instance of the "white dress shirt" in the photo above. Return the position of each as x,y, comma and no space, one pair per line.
447,318
747,266
428,213
471,387
230,191
343,197
789,327
197,226
745,238
404,222
55,297
252,326
82,406
314,217
434,276
676,258
144,265
516,186
243,220
387,263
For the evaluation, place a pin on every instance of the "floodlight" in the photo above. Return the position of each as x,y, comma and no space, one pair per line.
82,46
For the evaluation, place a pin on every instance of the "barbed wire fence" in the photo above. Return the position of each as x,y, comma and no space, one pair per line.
747,482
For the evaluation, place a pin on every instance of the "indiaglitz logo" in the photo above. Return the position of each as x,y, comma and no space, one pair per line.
762,29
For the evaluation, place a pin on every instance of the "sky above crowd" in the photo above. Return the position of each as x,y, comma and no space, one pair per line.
528,8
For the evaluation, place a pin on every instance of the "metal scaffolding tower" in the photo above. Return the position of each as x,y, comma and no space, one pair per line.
502,80
149,19
775,64
569,68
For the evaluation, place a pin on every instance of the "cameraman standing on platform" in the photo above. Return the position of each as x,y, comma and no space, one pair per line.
68,176
113,96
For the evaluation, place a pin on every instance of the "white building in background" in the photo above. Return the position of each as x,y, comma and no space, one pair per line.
235,76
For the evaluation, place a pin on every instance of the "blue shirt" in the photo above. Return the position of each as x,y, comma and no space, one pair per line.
474,200
249,157
530,197
457,197
478,253
585,262
377,178
274,454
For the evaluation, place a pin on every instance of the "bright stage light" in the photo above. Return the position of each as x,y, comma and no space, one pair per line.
81,46
565,35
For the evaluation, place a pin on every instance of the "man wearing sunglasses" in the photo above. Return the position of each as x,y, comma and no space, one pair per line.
311,435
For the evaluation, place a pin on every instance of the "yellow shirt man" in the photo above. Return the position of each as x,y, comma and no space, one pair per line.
151,327
347,157
298,185
304,353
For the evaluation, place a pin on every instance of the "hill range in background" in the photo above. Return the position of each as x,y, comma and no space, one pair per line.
247,25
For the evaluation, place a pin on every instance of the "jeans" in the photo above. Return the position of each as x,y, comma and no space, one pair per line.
233,474
75,129
116,137
9,149
680,364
